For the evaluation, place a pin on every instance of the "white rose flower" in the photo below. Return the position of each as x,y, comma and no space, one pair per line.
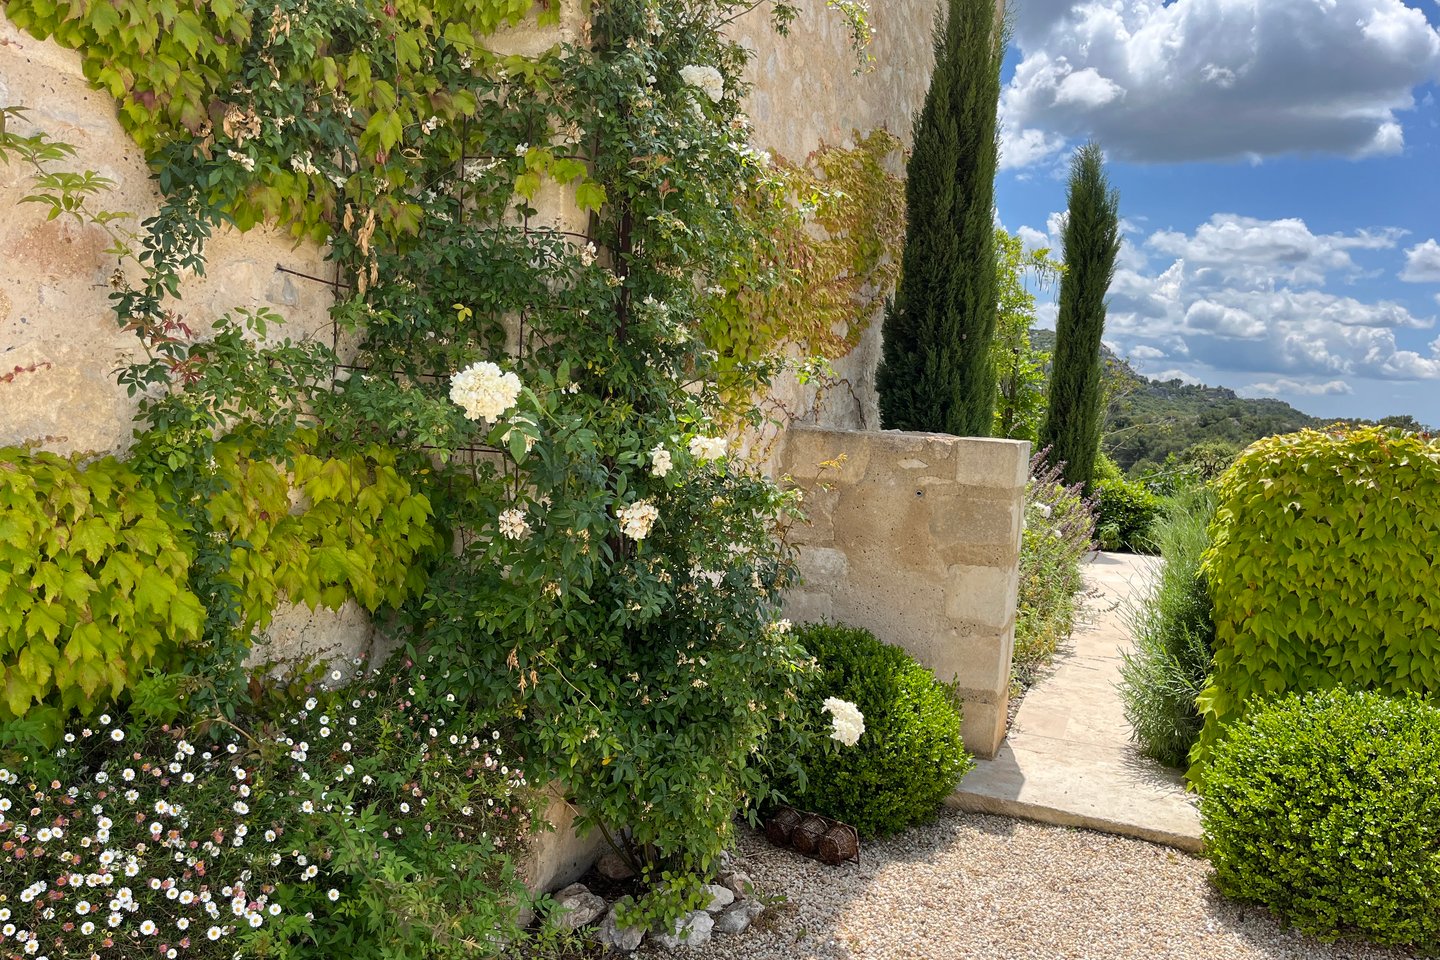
484,391
660,461
846,721
637,519
707,448
709,80
513,525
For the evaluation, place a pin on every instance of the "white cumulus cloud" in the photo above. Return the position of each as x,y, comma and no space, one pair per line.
1245,295
1286,387
1158,81
1422,263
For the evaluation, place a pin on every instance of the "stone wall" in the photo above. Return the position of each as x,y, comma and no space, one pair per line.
807,91
916,537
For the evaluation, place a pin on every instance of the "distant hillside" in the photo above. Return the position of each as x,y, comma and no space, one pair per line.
1149,419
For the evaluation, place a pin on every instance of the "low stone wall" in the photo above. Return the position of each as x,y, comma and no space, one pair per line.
916,537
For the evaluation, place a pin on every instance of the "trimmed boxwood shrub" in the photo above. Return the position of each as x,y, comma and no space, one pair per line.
1327,810
1322,569
910,756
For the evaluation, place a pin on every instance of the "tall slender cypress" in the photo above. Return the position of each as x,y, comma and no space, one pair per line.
936,372
1090,241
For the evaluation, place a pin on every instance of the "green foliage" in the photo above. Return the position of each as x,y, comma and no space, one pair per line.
1322,570
97,565
216,86
832,278
910,756
1059,531
1020,367
359,531
371,821
937,371
94,571
1090,243
1173,629
1124,510
1326,809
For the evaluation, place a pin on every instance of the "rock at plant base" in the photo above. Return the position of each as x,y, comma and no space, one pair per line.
720,897
613,865
691,930
737,882
577,907
615,937
737,917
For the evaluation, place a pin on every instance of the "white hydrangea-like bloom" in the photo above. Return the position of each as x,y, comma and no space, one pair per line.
709,80
707,448
660,460
846,721
637,519
513,525
484,391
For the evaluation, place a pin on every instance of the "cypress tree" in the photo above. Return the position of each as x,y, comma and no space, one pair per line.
1090,243
936,372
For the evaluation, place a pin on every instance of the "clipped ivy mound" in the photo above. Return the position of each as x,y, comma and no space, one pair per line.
1326,809
910,756
1322,570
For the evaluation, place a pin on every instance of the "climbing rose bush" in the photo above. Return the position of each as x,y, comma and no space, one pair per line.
484,391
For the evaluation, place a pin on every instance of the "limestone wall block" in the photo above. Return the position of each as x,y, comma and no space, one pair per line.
918,556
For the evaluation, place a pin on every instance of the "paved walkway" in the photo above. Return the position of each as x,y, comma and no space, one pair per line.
1068,759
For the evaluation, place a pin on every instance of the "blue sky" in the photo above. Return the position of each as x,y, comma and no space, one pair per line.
1278,163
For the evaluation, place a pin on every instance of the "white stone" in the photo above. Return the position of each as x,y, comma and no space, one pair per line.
720,897
577,907
737,917
691,930
616,937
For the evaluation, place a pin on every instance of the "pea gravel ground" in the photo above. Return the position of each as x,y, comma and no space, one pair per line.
975,886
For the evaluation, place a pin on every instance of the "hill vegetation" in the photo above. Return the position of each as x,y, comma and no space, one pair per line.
1149,421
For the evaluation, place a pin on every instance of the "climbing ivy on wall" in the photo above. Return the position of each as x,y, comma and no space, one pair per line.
834,253
95,561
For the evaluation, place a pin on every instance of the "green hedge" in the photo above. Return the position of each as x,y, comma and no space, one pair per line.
910,756
1327,810
1323,571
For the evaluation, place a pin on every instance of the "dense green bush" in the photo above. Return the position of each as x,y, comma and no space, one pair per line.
1173,629
1124,509
1322,571
910,756
1327,810
1059,531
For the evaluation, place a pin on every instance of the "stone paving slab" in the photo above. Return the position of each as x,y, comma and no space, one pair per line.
1068,759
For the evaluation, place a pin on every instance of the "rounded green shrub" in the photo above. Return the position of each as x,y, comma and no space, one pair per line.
1326,809
1124,509
910,756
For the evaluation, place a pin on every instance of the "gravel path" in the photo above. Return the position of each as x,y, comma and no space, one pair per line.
975,886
